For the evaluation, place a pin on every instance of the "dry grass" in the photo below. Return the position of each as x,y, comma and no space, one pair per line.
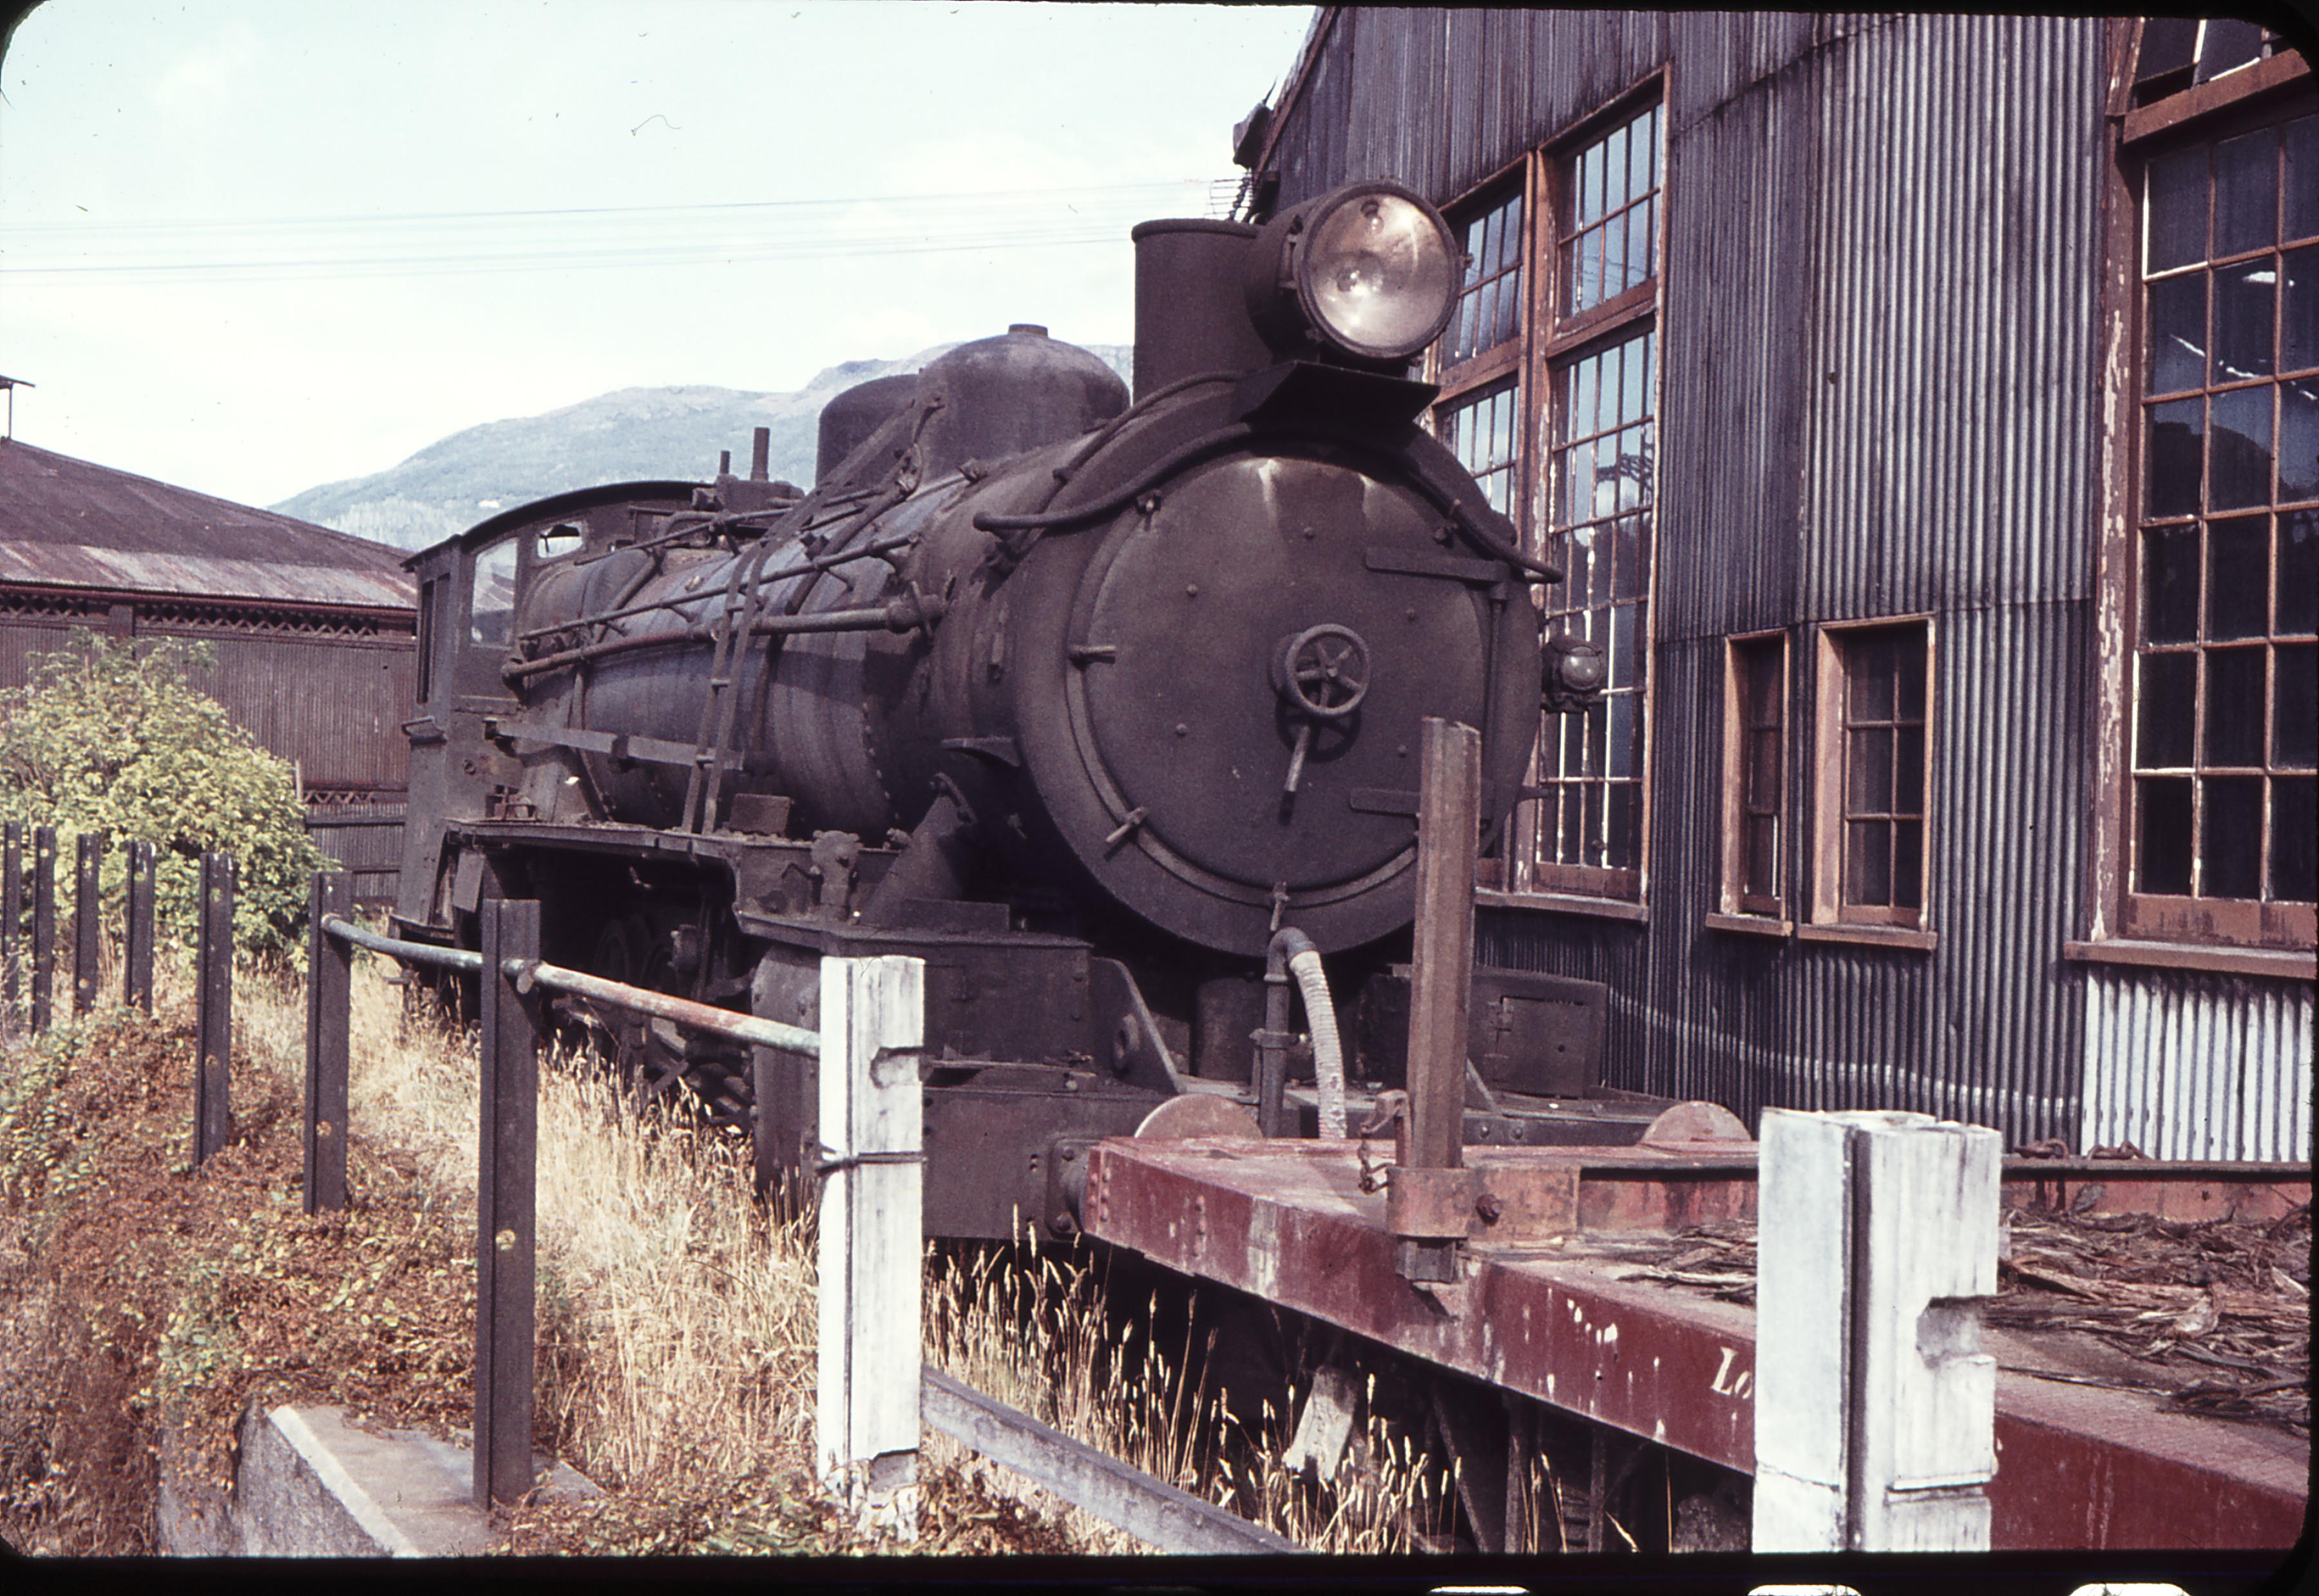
678,1332
1028,1326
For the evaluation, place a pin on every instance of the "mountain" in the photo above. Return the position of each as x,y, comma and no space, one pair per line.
635,434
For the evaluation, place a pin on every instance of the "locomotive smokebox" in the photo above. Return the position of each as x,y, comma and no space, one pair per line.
1191,313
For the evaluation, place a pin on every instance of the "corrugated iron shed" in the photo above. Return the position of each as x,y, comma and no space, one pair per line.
309,631
1880,319
69,523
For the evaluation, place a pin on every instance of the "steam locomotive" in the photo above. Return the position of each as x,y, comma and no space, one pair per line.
1091,704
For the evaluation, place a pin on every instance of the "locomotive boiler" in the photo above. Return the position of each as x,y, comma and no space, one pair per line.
1084,701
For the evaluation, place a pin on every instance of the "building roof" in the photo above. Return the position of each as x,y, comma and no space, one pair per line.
68,523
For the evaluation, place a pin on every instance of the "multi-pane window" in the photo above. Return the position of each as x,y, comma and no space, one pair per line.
1480,417
1870,751
1755,775
1600,534
1489,303
1549,382
1609,234
2180,52
1881,722
2225,671
1484,432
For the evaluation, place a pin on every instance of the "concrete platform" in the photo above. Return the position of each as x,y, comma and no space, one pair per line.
309,1485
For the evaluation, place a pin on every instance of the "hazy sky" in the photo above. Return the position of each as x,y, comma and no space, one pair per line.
250,246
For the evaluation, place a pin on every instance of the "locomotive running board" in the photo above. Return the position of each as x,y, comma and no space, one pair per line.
657,750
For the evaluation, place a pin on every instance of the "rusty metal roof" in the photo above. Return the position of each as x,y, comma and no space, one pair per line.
68,523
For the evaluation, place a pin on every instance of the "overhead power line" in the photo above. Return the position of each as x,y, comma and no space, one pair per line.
586,238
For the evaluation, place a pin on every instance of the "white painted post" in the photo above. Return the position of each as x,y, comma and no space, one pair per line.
866,1430
1876,1408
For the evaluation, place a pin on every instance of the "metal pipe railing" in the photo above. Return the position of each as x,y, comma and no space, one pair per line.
458,958
702,1016
527,972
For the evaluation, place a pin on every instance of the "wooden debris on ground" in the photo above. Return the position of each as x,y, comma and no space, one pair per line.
2218,1312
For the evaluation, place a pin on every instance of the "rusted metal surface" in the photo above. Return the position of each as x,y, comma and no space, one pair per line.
71,523
1289,1223
2079,1467
699,1016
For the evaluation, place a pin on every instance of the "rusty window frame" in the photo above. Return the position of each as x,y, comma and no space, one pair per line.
1529,367
1847,731
1571,340
1758,810
1470,384
2140,759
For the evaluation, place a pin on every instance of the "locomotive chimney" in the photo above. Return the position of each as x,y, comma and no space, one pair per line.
1191,311
761,454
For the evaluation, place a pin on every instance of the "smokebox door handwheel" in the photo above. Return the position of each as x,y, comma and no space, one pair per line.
1267,666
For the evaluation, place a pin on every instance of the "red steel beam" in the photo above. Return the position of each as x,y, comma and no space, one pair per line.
1287,1222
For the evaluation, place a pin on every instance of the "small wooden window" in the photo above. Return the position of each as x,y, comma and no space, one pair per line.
1756,752
1870,808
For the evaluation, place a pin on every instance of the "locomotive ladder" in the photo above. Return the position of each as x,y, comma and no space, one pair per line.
744,598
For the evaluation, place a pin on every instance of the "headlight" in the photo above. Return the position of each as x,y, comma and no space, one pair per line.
1573,672
1378,273
1370,269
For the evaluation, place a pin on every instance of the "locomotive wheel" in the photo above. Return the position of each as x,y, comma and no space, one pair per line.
627,952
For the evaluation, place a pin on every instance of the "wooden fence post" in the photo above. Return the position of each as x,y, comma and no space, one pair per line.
137,986
213,1022
44,923
866,1430
329,982
1427,1203
12,916
88,858
506,1170
1876,1408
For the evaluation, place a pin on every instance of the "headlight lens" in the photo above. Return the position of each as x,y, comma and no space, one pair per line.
1379,274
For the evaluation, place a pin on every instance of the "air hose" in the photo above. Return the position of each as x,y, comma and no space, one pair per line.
1320,1015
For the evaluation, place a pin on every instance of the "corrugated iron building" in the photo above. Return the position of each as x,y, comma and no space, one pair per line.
1828,352
312,630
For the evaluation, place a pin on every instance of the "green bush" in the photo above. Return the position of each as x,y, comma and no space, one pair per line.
110,738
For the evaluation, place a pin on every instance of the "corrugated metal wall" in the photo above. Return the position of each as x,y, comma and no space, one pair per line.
1880,271
367,840
2202,1067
